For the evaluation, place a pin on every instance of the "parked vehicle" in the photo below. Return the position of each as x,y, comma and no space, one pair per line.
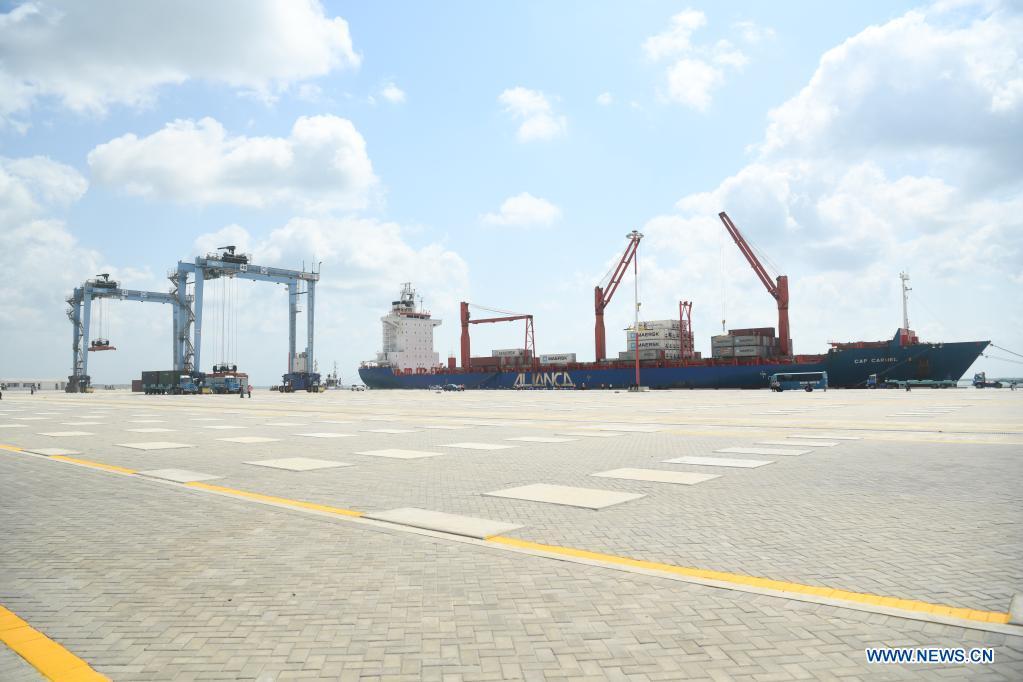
799,380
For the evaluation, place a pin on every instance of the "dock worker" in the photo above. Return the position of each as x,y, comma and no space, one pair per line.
250,391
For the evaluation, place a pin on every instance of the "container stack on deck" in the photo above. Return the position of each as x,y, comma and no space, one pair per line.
758,342
658,340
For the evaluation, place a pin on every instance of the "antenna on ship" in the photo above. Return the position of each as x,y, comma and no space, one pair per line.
905,299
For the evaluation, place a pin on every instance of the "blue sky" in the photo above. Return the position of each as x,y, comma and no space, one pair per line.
848,140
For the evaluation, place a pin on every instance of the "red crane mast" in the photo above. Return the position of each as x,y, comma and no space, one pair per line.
602,295
779,288
529,345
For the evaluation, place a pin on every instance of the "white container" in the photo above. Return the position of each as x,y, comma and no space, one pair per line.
748,351
723,352
747,340
557,358
509,353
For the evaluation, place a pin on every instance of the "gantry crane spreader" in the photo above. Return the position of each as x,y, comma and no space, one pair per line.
779,288
602,294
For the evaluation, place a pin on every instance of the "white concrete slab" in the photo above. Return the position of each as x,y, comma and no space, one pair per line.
805,444
389,430
326,435
13,426
178,475
32,419
396,453
541,439
154,429
630,428
249,439
50,452
80,423
807,436
469,526
333,421
569,496
762,451
286,424
145,421
60,434
206,419
223,427
445,427
477,446
720,462
476,422
298,464
155,445
657,476
592,434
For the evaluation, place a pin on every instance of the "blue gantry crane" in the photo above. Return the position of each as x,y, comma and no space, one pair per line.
187,313
226,262
80,313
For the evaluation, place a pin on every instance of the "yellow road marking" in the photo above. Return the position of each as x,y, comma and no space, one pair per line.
276,500
49,658
96,465
778,585
12,448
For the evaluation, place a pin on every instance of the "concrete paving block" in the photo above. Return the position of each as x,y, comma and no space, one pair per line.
762,451
13,426
248,439
586,498
720,462
395,453
326,435
388,430
806,444
541,439
64,434
50,452
155,445
592,434
455,524
477,446
657,476
299,464
178,475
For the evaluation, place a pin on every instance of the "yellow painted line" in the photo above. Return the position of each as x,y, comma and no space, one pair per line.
12,448
49,658
276,500
95,465
767,583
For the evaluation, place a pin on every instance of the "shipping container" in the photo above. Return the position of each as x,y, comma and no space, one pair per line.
753,331
557,358
747,340
723,352
749,351
136,385
509,352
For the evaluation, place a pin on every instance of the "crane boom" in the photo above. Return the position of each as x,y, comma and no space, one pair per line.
602,295
779,289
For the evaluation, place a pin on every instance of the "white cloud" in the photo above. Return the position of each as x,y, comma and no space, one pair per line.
524,210
392,93
89,56
322,165
676,39
694,71
531,107
900,153
690,82
753,33
605,99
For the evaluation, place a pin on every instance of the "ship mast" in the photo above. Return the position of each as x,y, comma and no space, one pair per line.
905,299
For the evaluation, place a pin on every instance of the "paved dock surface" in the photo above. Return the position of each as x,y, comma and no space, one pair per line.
208,537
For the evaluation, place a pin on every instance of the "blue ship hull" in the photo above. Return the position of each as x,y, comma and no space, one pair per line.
846,367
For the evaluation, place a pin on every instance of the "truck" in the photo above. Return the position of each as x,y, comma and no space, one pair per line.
980,381
172,381
300,381
227,383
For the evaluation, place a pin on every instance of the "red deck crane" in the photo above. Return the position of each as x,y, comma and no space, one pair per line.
528,345
602,295
779,288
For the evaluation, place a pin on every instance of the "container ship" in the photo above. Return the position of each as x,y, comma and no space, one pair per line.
661,352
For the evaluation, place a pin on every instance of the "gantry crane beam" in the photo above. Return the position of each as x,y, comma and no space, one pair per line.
80,314
779,288
602,295
530,340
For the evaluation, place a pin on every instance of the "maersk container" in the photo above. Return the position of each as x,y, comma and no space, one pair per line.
747,340
557,358
749,351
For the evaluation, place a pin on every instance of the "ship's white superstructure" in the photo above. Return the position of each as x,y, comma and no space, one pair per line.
408,335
